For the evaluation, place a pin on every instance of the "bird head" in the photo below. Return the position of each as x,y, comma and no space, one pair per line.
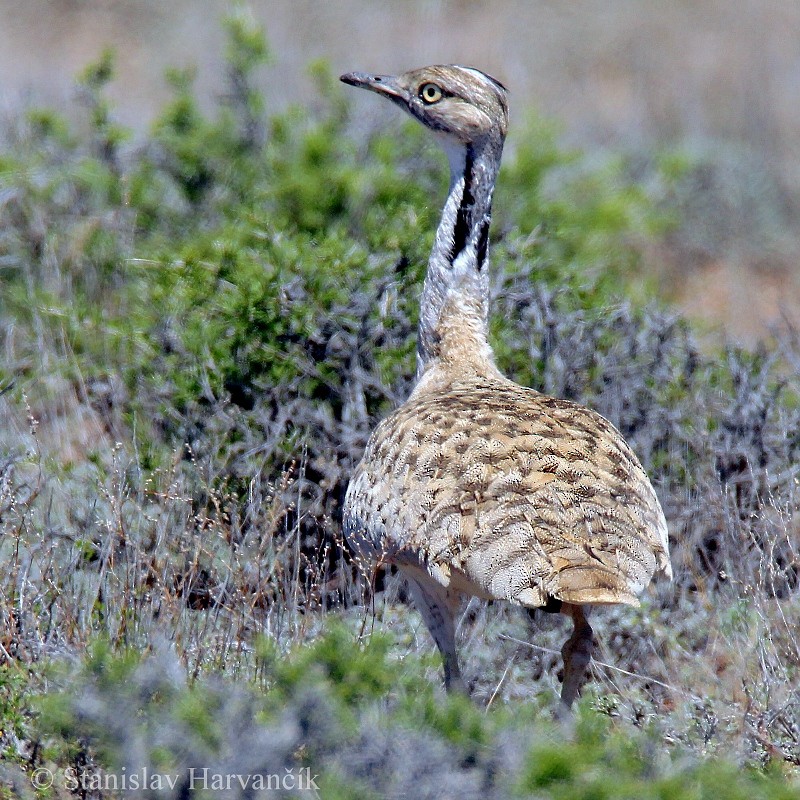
460,104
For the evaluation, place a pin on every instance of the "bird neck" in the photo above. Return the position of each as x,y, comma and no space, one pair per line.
455,298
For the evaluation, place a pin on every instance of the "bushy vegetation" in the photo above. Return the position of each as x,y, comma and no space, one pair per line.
360,724
200,330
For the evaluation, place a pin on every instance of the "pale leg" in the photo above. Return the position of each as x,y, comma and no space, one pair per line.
577,653
438,607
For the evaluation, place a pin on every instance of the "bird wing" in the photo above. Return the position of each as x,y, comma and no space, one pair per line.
526,496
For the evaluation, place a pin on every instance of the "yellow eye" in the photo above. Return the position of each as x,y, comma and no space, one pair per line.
430,93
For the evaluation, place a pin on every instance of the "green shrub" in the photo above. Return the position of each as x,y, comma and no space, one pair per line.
359,719
200,330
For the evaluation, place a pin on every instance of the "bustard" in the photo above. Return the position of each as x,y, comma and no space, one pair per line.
476,485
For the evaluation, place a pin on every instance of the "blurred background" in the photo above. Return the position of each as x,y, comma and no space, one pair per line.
719,80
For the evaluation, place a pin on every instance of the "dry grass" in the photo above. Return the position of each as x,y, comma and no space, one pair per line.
191,554
140,508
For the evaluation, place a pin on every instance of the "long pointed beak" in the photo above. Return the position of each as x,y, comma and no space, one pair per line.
386,85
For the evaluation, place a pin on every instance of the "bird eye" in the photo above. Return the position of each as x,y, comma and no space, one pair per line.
430,93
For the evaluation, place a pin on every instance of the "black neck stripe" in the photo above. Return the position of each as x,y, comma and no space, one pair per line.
483,243
461,230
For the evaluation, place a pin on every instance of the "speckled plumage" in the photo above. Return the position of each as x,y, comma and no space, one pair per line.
477,485
508,494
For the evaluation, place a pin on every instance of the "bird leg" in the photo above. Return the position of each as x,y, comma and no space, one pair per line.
438,607
577,653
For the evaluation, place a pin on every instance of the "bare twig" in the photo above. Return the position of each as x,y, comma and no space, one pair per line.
596,663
